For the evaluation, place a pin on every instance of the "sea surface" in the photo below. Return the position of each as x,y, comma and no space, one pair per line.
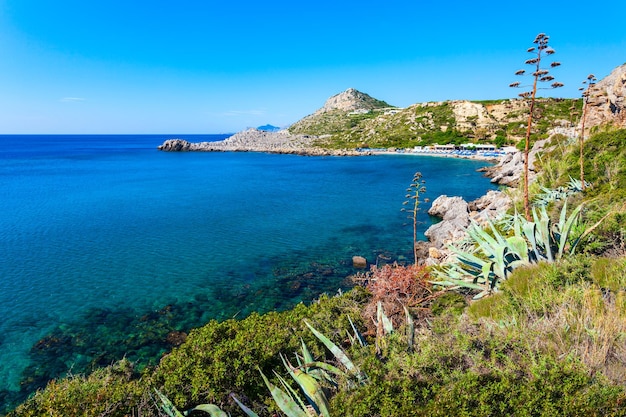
111,248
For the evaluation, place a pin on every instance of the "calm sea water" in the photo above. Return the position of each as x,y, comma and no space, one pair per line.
110,247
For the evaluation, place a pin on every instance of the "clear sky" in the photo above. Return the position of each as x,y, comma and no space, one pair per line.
201,66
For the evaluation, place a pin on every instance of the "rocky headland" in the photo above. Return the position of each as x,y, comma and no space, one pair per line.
255,140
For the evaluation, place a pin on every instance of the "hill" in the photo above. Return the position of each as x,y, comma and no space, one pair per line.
353,119
340,112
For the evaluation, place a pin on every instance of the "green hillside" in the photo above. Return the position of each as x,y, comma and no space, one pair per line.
435,123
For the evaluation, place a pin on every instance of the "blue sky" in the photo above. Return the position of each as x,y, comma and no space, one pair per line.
77,66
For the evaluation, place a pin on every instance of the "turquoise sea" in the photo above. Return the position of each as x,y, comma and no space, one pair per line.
110,247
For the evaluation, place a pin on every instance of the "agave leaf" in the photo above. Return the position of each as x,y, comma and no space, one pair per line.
518,246
487,272
382,318
284,401
322,371
306,354
455,276
530,231
545,238
486,241
337,352
410,323
468,258
167,405
312,391
357,334
292,392
458,283
566,229
496,233
499,265
481,295
517,225
309,365
351,338
245,409
212,409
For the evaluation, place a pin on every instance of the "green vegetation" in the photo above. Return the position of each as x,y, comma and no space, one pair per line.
493,255
435,123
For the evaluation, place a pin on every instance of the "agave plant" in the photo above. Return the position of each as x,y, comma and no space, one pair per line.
339,354
493,256
560,193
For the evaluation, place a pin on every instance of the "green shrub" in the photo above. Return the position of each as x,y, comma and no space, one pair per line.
474,372
111,391
222,358
609,274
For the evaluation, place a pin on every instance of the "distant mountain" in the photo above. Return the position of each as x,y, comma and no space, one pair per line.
339,113
352,100
268,128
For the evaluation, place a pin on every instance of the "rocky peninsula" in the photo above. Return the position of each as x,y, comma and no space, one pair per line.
254,140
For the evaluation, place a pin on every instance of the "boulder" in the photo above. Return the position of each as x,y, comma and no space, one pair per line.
489,206
359,262
455,219
434,253
175,145
450,208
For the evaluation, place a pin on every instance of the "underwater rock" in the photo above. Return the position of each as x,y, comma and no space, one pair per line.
359,262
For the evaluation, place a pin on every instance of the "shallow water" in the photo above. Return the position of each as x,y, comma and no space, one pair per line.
108,245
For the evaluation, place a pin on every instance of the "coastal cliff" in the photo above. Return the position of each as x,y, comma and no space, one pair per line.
607,101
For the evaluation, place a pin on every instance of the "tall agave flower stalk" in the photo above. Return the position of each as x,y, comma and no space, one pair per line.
413,201
590,82
540,75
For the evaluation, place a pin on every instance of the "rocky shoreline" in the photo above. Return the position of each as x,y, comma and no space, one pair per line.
254,140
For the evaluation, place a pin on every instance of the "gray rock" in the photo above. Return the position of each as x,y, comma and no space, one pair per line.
489,206
456,215
449,208
607,101
254,140
455,220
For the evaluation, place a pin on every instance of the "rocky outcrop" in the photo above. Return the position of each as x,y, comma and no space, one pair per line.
607,100
351,100
470,115
254,140
180,145
489,206
454,213
359,262
457,215
509,170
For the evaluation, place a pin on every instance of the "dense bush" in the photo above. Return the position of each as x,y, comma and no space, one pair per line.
476,372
